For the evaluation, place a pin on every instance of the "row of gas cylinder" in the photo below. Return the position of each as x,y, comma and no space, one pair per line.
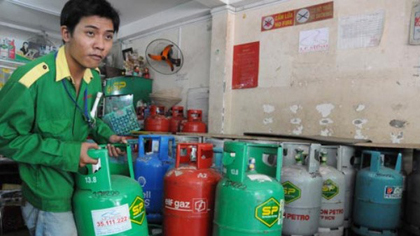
244,189
158,122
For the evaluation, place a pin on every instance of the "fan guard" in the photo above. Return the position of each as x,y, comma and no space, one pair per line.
164,56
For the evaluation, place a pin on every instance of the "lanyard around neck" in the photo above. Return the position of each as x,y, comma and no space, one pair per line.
84,111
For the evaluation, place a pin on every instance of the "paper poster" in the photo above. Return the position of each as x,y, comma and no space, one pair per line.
19,50
314,40
361,31
246,59
415,25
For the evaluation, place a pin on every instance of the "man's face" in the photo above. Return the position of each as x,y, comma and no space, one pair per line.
90,41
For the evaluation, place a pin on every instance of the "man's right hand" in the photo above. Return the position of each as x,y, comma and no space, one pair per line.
84,157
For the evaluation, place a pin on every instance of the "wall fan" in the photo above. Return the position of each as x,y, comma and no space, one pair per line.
164,56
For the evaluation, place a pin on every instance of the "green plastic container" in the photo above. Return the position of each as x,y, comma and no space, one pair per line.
123,85
106,204
248,202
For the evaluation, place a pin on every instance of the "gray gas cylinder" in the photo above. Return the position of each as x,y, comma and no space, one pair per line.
344,161
331,220
332,153
303,192
290,149
412,209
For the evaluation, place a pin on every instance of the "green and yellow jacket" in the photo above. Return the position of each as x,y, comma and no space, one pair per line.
42,129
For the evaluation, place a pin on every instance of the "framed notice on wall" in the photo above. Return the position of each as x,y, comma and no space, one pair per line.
415,25
246,59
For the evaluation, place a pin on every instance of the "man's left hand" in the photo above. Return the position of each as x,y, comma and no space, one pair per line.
114,151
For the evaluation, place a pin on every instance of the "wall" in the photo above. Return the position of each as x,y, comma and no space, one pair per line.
194,41
355,93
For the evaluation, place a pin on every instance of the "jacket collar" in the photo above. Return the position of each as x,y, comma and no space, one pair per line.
62,68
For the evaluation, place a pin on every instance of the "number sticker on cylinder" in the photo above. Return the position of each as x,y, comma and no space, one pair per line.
111,220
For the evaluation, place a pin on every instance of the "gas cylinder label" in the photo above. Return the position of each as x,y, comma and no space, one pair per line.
291,192
290,216
177,205
142,181
200,205
330,189
202,175
393,192
269,212
111,220
147,197
330,214
137,211
197,205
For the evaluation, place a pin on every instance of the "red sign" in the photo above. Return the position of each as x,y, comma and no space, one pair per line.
246,59
279,20
417,21
297,17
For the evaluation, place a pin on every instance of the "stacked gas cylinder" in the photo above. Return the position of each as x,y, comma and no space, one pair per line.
378,196
155,120
181,186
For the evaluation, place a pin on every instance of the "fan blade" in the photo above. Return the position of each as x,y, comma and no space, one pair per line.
156,57
166,51
170,64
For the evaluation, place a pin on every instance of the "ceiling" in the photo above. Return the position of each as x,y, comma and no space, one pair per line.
140,16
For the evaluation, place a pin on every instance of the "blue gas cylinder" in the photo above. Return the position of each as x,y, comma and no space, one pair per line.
377,203
156,156
217,159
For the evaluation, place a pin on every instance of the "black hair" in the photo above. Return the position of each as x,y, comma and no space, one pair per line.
74,10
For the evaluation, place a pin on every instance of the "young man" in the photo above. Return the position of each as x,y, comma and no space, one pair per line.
45,119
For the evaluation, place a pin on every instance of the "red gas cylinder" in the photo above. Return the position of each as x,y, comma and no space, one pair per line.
194,123
156,122
189,192
177,117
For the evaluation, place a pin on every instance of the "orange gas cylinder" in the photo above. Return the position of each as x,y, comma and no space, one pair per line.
194,123
177,117
189,192
156,122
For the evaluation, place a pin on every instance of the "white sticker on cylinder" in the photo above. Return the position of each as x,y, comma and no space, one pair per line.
393,192
112,220
259,177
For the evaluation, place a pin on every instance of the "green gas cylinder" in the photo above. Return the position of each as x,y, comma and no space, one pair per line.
247,202
106,204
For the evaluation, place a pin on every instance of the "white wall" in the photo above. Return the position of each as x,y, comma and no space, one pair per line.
194,41
364,92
